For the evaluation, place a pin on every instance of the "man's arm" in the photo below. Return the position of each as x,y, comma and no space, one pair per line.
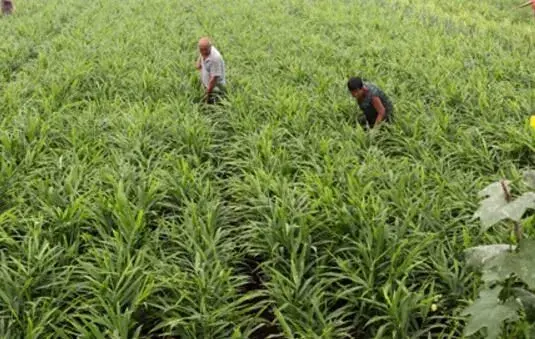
530,2
198,63
380,108
216,70
211,84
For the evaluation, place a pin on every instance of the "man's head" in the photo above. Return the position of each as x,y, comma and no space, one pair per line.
205,46
356,87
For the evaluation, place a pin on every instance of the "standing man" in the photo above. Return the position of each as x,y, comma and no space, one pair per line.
373,102
212,68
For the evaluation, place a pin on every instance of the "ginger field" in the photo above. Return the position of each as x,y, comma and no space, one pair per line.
129,210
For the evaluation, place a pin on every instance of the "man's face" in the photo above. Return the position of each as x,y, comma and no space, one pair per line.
357,93
204,50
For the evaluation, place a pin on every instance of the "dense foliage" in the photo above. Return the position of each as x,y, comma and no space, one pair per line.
129,210
508,270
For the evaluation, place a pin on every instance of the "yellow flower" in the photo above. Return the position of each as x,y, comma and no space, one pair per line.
434,307
532,121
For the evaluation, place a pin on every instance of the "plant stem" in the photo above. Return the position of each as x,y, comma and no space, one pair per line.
517,227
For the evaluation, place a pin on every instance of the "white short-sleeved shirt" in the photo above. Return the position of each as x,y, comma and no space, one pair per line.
213,65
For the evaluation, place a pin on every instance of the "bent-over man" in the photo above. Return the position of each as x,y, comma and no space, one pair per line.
373,102
212,67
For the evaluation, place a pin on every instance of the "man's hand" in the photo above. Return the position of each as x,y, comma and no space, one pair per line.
198,63
378,105
361,120
211,85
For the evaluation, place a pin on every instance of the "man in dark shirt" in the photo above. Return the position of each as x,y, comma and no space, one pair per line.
7,7
373,102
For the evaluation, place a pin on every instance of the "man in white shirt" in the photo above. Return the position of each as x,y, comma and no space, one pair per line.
212,68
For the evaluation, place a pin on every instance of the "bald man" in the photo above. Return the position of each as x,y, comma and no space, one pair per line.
212,68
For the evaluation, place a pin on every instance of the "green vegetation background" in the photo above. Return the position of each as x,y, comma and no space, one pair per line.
127,208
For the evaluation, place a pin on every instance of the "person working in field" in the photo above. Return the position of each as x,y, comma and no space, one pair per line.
212,67
7,7
373,102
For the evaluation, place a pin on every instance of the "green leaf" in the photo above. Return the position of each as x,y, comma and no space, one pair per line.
490,210
283,324
529,178
237,334
477,256
521,263
488,312
495,207
516,209
494,189
528,301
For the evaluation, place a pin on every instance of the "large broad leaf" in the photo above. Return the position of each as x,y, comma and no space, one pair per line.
529,178
528,301
521,263
494,189
495,207
488,312
478,256
516,209
490,210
